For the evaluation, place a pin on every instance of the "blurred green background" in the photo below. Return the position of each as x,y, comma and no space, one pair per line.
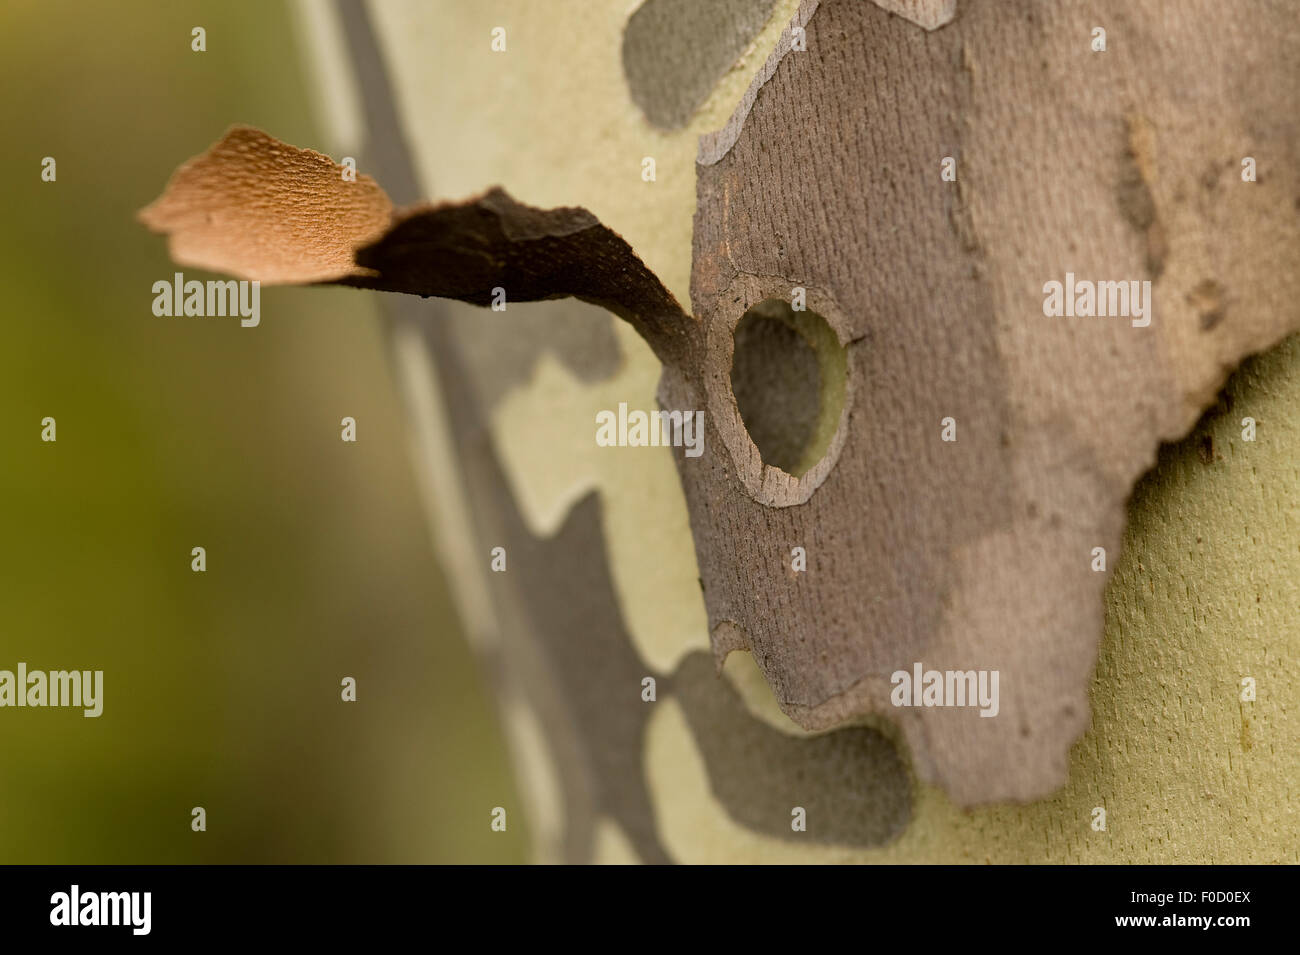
222,688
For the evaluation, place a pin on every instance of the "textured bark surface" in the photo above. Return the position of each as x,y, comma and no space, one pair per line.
258,208
973,554
976,554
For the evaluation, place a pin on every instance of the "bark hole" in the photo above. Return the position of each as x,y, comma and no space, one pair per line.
788,377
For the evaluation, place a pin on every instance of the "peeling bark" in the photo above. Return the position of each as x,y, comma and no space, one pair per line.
261,209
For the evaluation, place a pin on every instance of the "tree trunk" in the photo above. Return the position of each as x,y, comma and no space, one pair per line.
945,439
